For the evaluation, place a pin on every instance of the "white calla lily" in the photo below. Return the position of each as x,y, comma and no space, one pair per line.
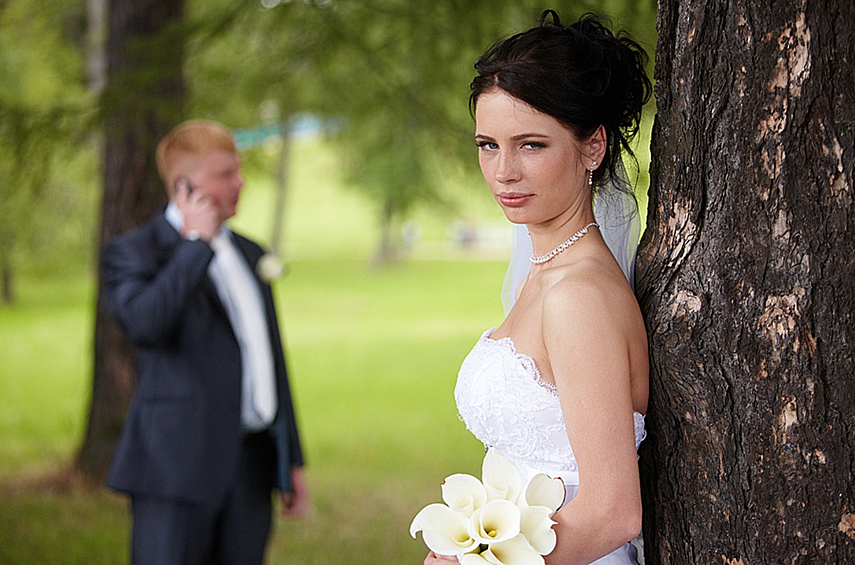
464,493
501,477
475,559
536,525
515,551
496,521
444,531
543,491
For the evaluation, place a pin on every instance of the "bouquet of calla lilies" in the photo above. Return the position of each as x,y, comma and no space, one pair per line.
495,521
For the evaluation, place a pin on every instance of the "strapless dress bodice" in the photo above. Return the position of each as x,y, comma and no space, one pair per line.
505,403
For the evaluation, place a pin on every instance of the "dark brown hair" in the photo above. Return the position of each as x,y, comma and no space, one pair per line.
582,75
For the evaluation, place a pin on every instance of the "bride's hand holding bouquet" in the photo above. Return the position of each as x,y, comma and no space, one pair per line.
494,521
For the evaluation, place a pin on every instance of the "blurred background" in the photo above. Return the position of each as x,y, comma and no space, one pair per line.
352,121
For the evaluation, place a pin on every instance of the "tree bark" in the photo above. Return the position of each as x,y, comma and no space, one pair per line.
387,248
282,178
96,63
745,277
7,293
142,101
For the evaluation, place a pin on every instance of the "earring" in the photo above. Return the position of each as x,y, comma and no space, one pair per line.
591,174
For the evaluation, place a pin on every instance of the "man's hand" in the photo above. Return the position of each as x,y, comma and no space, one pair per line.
296,503
200,214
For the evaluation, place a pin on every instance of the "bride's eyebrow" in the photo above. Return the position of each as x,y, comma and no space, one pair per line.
530,136
521,136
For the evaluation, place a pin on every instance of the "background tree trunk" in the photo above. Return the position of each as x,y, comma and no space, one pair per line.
747,283
388,247
142,101
7,289
283,175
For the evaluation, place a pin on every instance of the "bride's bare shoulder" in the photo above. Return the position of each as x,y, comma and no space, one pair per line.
589,288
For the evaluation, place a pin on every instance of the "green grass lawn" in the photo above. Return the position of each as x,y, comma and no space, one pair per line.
373,357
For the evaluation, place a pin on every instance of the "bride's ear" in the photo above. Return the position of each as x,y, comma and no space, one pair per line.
595,148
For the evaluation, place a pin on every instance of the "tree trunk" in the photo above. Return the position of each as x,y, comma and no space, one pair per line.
745,278
142,101
96,55
7,294
282,177
387,249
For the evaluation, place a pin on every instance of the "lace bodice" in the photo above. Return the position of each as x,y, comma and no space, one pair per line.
505,403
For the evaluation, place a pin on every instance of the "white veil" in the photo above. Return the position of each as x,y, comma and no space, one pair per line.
620,224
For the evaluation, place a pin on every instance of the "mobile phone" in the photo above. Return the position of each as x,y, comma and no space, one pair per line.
184,181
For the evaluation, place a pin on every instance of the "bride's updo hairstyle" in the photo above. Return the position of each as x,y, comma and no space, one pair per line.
582,75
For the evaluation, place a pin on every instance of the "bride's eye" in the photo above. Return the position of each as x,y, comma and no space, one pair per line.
487,145
533,145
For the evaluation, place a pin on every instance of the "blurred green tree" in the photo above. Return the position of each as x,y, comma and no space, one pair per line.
42,102
391,75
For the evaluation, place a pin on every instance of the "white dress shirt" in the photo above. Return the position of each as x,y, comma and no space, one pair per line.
240,294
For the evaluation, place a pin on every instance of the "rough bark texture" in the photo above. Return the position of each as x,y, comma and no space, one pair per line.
747,282
143,100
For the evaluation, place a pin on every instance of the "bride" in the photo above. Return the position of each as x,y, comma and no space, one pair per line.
555,108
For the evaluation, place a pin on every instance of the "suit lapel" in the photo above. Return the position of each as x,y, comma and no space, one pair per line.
247,252
251,255
167,239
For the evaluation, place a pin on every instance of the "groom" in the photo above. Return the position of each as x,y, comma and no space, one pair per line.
211,428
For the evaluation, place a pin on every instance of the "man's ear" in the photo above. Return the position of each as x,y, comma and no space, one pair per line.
182,167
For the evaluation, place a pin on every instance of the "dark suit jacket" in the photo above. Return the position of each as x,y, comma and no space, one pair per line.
182,436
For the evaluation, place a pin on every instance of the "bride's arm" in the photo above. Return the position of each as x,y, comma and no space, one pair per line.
587,332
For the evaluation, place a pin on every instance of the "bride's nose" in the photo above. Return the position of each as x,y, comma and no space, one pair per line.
507,168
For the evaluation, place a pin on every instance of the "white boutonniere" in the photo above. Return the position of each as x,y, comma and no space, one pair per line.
494,521
270,267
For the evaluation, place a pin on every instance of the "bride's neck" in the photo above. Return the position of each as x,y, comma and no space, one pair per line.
546,237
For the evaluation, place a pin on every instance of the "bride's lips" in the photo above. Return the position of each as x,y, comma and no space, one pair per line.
513,199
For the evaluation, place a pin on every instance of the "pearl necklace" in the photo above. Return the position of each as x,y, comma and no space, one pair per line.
539,259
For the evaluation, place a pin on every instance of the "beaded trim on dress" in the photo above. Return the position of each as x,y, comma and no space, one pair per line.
525,360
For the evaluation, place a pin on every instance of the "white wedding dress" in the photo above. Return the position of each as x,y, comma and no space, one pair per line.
504,402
